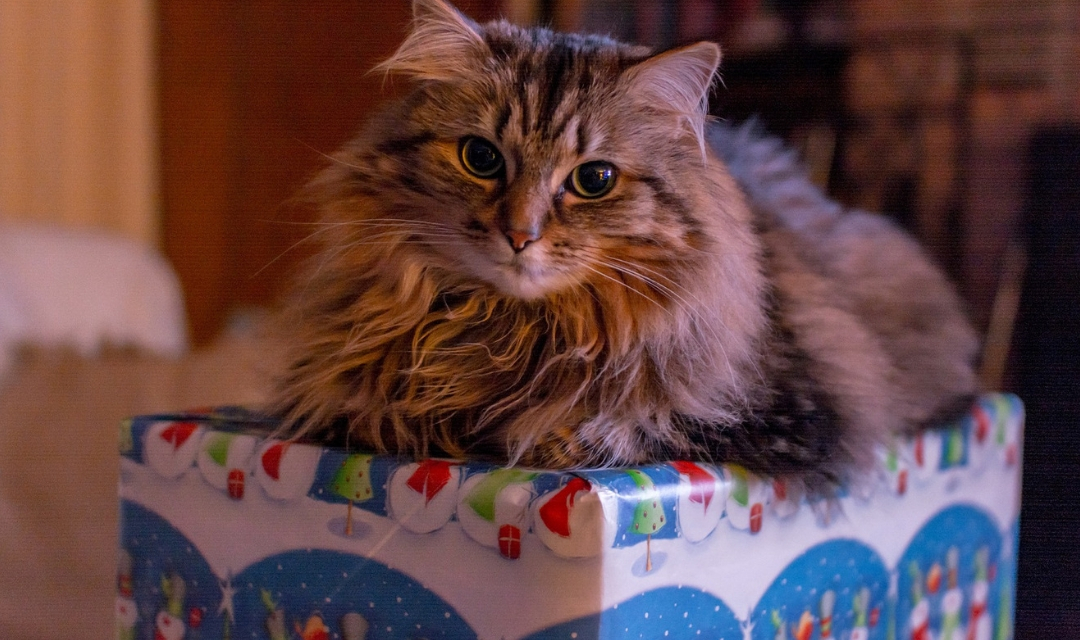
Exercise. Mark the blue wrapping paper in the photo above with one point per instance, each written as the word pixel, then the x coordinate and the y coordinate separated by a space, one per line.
pixel 228 534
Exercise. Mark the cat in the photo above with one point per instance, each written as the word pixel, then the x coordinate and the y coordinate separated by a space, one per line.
pixel 547 254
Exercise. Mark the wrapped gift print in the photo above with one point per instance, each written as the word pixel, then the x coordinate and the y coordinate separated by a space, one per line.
pixel 230 534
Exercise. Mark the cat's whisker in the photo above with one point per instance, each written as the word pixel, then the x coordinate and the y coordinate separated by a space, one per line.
pixel 308 238
pixel 672 288
pixel 427 228
pixel 365 222
pixel 682 303
pixel 626 286
pixel 331 157
pixel 330 255
pixel 694 311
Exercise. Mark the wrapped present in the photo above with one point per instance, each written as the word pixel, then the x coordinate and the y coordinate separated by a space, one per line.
pixel 229 534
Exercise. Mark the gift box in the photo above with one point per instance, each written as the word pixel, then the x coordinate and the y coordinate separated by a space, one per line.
pixel 226 533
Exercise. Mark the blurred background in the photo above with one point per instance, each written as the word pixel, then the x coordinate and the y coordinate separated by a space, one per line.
pixel 185 128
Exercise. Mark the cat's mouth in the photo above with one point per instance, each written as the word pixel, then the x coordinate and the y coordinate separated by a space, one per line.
pixel 525 278
pixel 529 274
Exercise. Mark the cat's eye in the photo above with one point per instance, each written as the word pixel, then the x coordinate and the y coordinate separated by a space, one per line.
pixel 480 157
pixel 592 179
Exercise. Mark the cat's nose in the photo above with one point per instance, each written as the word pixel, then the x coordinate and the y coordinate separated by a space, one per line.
pixel 521 239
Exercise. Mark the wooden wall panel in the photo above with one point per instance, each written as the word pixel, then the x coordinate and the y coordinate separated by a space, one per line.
pixel 251 95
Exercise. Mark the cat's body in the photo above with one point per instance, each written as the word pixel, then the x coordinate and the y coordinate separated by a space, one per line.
pixel 545 255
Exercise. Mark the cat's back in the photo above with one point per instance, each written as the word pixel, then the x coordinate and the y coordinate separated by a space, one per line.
pixel 845 277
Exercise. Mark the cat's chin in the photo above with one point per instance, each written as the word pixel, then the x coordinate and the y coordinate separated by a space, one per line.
pixel 526 283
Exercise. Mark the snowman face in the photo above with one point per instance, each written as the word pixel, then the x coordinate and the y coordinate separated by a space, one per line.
pixel 170 447
pixel 572 523
pixel 422 496
pixel 286 471
pixel 952 601
pixel 745 505
pixel 225 461
pixel 126 613
pixel 700 503
pixel 979 592
pixel 168 626
pixel 925 454
pixel 483 519
pixel 920 615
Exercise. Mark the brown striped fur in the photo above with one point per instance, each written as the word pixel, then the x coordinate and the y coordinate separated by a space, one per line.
pixel 712 305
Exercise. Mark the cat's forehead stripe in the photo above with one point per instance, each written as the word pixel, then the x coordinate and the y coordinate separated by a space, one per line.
pixel 502 120
pixel 556 71
pixel 546 97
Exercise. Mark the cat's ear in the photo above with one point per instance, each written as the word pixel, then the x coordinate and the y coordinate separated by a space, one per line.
pixel 443 44
pixel 679 81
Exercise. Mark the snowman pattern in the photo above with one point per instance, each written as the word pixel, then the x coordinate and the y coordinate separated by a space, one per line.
pixel 224 459
pixel 925 454
pixel 569 520
pixel 168 624
pixel 127 612
pixel 286 470
pixel 493 509
pixel 422 496
pixel 952 603
pixel 746 499
pixel 701 496
pixel 170 447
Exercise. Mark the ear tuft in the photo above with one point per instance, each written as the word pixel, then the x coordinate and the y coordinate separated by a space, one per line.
pixel 679 81
pixel 442 45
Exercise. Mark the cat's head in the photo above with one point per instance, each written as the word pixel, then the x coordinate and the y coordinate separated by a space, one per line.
pixel 534 161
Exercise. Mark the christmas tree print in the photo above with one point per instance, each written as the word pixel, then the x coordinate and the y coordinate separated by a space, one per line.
pixel 979 625
pixel 919 618
pixel 860 606
pixel 826 606
pixel 1004 629
pixel 275 618
pixel 953 600
pixel 353 482
pixel 649 516
pixel 779 625
pixel 127 613
pixel 127 441
pixel 168 625
pixel 893 597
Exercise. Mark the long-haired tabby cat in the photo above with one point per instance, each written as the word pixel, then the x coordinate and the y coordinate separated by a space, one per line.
pixel 546 254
